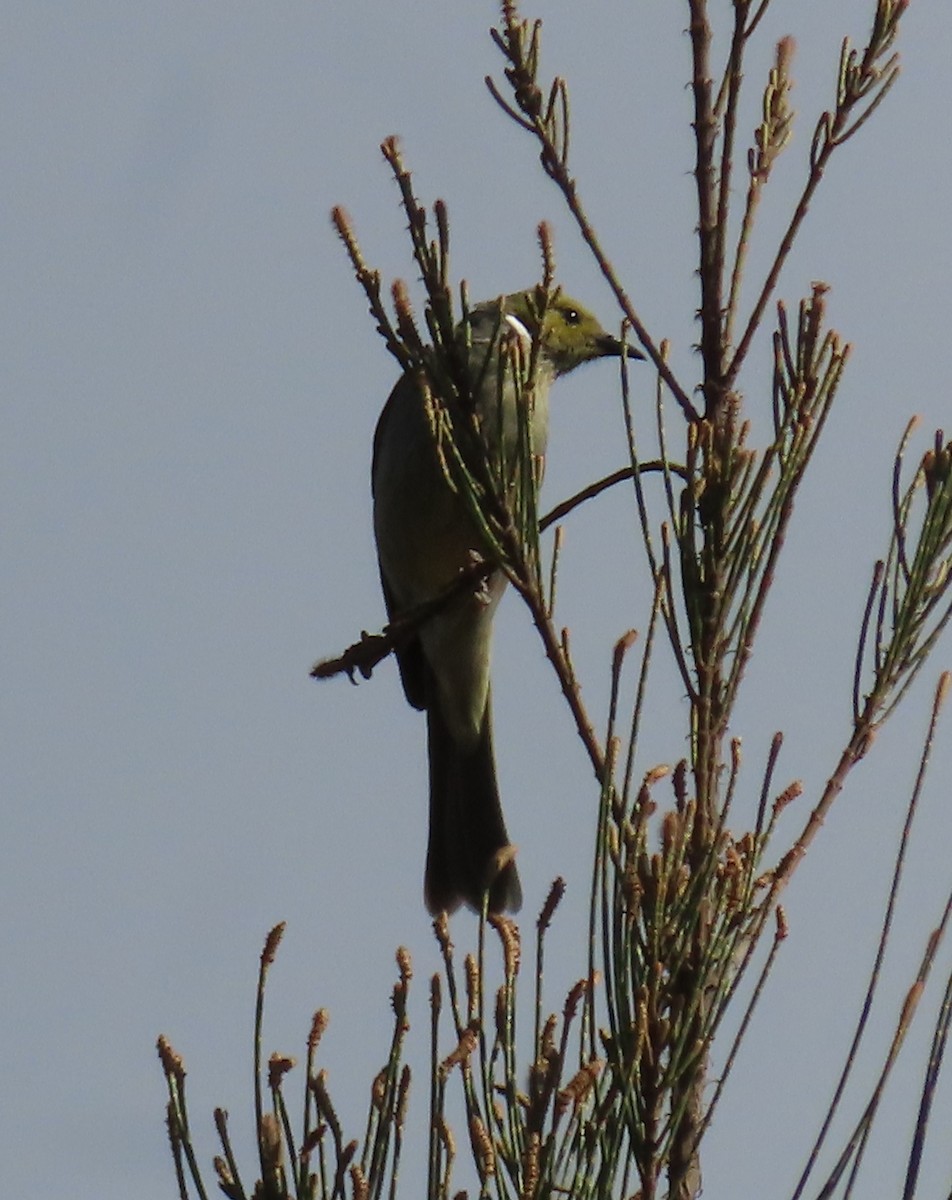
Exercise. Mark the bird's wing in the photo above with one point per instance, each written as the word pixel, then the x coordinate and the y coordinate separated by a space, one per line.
pixel 410 655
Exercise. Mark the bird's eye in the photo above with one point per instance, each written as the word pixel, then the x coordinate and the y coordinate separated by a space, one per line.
pixel 572 316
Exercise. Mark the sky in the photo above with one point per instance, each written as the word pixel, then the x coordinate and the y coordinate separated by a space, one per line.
pixel 190 383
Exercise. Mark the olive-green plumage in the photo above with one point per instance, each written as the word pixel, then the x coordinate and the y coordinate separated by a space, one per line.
pixel 425 537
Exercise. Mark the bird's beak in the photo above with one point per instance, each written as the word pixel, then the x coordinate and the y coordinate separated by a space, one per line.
pixel 610 347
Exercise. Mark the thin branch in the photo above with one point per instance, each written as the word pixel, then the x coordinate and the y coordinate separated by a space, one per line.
pixel 595 489
pixel 862 83
pixel 361 657
pixel 710 234
pixel 852 1053
pixel 548 122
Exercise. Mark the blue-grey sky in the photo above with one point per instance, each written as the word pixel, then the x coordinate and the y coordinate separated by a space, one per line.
pixel 189 388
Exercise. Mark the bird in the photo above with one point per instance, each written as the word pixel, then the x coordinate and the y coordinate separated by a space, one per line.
pixel 426 536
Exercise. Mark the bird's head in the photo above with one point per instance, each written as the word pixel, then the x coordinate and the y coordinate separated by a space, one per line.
pixel 571 335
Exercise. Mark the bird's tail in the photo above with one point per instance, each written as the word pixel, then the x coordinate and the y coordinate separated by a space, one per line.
pixel 469 848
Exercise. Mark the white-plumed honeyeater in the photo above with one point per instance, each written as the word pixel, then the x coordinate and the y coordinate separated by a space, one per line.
pixel 426 535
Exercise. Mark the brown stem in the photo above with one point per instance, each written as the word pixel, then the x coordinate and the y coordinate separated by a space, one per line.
pixel 710 240
pixel 601 485
pixel 557 656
